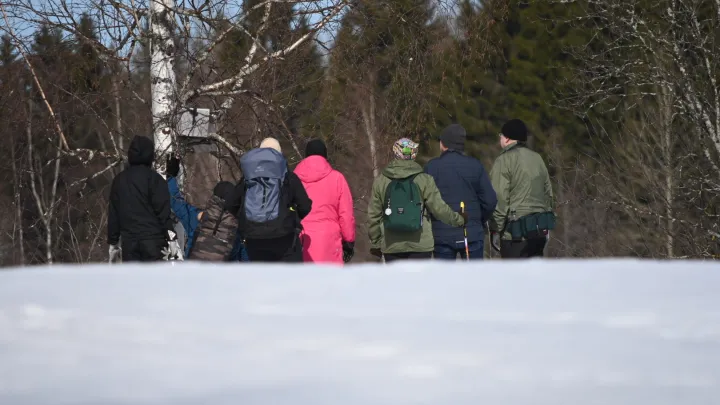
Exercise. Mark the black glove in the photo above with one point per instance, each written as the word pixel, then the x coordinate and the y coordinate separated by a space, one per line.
pixel 348 251
pixel 376 252
pixel 172 168
pixel 495 240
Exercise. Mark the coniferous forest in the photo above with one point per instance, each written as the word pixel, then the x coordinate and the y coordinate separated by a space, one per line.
pixel 621 98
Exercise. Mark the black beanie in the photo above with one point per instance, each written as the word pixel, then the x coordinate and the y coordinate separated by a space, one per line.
pixel 316 147
pixel 453 137
pixel 223 189
pixel 515 129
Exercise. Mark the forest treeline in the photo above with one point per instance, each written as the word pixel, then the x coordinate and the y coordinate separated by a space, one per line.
pixel 621 99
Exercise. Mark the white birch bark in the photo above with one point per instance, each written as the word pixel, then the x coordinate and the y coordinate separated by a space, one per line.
pixel 667 145
pixel 18 204
pixel 45 208
pixel 368 113
pixel 370 133
pixel 162 78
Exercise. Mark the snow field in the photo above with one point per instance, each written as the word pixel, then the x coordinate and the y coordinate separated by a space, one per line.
pixel 530 332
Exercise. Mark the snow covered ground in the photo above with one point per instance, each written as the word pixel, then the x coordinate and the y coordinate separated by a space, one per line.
pixel 555 333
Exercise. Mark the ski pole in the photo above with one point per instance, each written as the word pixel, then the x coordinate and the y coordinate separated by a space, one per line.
pixel 467 250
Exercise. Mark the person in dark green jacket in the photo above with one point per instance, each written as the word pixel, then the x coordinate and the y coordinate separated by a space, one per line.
pixel 523 216
pixel 418 244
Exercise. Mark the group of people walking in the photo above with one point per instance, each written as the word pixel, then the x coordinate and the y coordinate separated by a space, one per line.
pixel 274 214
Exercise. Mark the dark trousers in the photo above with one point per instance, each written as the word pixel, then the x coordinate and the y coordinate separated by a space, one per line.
pixel 391 257
pixel 450 252
pixel 518 249
pixel 149 250
pixel 286 249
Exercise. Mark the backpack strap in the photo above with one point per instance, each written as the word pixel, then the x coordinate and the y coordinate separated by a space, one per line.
pixel 241 209
pixel 411 178
pixel 412 181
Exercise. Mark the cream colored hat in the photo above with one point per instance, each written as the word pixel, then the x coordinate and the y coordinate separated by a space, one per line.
pixel 271 143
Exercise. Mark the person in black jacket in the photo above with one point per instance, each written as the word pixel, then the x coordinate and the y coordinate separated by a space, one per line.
pixel 276 239
pixel 139 209
pixel 461 178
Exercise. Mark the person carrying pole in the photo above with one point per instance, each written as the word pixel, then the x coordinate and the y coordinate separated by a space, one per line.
pixel 467 250
pixel 460 177
pixel 402 200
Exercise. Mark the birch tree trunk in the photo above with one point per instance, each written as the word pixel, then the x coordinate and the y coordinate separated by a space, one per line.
pixel 37 194
pixel 118 118
pixel 565 209
pixel 370 132
pixel 162 78
pixel 368 112
pixel 666 115
pixel 18 203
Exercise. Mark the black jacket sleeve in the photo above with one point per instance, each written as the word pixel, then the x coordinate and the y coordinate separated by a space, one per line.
pixel 234 201
pixel 300 199
pixel 113 226
pixel 160 201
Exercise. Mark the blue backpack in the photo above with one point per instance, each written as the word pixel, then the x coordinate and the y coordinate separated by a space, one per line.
pixel 265 209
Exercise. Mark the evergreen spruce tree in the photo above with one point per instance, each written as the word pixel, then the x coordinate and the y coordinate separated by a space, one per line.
pixel 49 45
pixel 304 73
pixel 386 49
pixel 90 86
pixel 467 91
pixel 7 51
pixel 514 62
pixel 537 40
pixel 88 67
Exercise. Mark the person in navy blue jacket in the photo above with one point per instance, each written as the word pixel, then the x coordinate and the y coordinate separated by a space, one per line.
pixel 461 178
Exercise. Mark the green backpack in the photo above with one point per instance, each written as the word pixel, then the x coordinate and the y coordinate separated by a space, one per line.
pixel 403 209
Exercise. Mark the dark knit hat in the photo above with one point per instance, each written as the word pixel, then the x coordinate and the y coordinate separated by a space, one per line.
pixel 316 147
pixel 515 129
pixel 223 189
pixel 453 137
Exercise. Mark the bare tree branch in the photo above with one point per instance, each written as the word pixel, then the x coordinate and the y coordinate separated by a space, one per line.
pixel 20 48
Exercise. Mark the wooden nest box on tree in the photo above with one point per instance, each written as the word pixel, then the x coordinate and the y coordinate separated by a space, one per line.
pixel 193 129
pixel 202 156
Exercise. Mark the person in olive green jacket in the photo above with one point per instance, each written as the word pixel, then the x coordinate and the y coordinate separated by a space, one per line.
pixel 418 244
pixel 523 216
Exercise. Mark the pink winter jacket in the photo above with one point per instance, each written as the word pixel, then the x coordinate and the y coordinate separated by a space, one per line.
pixel 331 220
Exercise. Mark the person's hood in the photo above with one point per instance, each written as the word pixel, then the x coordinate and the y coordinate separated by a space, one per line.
pixel 223 189
pixel 400 169
pixel 142 151
pixel 313 169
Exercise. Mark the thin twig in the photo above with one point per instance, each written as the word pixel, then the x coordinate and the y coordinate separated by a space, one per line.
pixel 35 78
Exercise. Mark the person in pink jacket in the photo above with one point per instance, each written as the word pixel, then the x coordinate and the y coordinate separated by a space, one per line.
pixel 328 234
